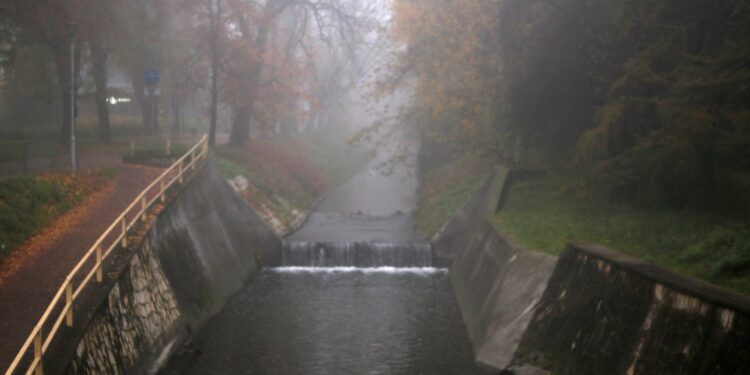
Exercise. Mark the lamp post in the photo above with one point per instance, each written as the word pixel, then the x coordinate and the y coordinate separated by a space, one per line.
pixel 73 161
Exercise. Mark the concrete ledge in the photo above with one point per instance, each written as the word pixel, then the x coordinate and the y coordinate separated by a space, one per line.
pixel 496 285
pixel 446 243
pixel 497 288
pixel 688 285
pixel 607 313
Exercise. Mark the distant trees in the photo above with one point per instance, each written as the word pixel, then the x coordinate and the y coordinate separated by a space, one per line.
pixel 47 23
pixel 261 59
pixel 273 54
pixel 651 97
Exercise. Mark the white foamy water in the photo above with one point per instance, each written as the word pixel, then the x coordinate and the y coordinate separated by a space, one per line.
pixel 392 270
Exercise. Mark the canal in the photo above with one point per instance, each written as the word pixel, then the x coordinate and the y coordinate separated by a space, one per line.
pixel 356 293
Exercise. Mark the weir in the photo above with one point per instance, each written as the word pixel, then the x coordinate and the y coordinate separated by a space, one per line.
pixel 369 254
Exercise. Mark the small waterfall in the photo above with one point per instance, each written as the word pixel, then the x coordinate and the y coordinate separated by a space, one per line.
pixel 359 254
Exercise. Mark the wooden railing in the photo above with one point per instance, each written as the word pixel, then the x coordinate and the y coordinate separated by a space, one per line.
pixel 61 307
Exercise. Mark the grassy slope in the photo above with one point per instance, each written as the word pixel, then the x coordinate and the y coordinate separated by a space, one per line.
pixel 446 189
pixel 543 214
pixel 289 174
pixel 28 204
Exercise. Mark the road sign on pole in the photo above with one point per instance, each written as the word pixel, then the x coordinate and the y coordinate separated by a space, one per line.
pixel 152 91
pixel 151 77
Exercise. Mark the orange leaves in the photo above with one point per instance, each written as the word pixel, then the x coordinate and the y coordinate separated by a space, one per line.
pixel 456 67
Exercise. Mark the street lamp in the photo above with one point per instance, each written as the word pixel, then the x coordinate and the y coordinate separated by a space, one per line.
pixel 73 162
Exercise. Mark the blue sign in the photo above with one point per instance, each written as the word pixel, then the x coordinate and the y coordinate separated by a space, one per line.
pixel 152 77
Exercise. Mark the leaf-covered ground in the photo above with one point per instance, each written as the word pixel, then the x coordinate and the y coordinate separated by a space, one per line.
pixel 29 203
pixel 31 275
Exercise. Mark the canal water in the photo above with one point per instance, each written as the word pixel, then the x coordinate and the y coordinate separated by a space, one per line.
pixel 356 293
pixel 303 321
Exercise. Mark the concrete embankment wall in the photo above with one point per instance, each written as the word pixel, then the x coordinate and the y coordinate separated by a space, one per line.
pixel 203 247
pixel 606 313
pixel 590 311
pixel 497 288
pixel 496 285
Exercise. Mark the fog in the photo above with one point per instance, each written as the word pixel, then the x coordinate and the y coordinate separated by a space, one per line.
pixel 620 123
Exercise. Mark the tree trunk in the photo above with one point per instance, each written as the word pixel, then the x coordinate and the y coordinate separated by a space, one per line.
pixel 240 125
pixel 241 122
pixel 142 100
pixel 99 60
pixel 154 114
pixel 62 65
pixel 214 110
pixel 214 96
pixel 176 114
pixel 704 193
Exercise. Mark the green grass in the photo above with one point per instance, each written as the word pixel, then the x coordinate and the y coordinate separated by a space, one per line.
pixel 28 204
pixel 545 213
pixel 445 190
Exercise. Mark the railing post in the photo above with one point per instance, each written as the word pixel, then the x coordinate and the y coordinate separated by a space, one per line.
pixel 124 232
pixel 38 353
pixel 99 263
pixel 180 172
pixel 192 160
pixel 143 207
pixel 161 193
pixel 69 304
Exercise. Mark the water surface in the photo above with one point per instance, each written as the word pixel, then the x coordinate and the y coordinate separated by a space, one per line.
pixel 334 321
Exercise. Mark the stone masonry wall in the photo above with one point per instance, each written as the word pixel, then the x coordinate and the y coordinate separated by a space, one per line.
pixel 139 316
pixel 204 246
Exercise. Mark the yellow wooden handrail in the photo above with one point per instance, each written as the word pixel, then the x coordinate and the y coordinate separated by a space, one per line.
pixel 122 225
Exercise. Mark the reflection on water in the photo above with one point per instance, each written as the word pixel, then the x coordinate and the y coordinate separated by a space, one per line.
pixel 303 321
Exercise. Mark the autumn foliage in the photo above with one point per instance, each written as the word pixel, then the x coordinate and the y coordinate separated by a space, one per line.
pixel 649 98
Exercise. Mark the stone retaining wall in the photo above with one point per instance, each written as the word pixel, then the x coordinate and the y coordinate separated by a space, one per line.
pixel 202 248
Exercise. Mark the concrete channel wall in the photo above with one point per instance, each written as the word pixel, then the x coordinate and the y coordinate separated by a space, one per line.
pixel 590 311
pixel 203 247
pixel 607 313
pixel 496 285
